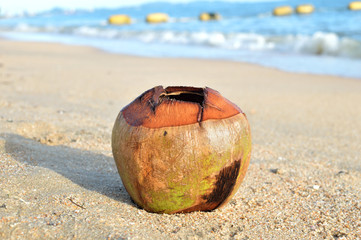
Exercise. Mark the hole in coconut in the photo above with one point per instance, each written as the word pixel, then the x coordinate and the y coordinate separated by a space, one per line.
pixel 186 97
pixel 194 95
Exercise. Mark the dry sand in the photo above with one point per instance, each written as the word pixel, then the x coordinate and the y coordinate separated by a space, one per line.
pixel 58 178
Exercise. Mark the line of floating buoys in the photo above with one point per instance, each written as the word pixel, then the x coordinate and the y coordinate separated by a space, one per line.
pixel 288 10
pixel 120 19
pixel 157 18
pixel 305 9
pixel 355 5
pixel 209 16
pixel 282 11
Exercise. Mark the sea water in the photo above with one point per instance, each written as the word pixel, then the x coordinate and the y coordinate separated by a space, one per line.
pixel 328 41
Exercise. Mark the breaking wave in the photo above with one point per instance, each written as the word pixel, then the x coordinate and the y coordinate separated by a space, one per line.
pixel 320 43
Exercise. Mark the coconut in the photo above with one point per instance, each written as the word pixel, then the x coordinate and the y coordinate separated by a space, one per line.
pixel 181 149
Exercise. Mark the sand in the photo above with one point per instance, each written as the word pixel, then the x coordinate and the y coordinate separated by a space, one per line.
pixel 58 179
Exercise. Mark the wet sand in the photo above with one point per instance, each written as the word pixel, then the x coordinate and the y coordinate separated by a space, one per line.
pixel 58 179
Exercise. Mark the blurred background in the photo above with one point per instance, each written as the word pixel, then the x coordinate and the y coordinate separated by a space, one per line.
pixel 315 36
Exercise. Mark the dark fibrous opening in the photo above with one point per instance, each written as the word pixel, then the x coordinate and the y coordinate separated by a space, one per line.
pixel 186 94
pixel 187 97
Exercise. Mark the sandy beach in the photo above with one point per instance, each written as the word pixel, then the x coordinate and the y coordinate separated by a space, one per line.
pixel 58 179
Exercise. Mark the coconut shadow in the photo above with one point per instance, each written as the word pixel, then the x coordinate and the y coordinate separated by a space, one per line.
pixel 92 171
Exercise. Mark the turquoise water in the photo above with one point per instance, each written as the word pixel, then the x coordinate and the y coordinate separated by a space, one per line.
pixel 327 41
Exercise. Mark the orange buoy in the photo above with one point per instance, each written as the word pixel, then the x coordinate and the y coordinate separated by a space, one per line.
pixel 282 11
pixel 119 19
pixel 157 18
pixel 209 16
pixel 305 9
pixel 355 5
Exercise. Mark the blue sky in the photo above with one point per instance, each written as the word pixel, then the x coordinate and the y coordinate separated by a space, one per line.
pixel 18 6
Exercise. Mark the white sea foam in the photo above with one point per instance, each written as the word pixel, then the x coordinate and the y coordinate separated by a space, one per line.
pixel 320 43
pixel 328 44
pixel 23 27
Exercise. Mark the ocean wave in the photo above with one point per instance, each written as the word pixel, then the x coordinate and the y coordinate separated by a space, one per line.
pixel 328 44
pixel 320 43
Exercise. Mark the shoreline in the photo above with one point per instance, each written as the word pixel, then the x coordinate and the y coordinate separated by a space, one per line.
pixel 58 179
pixel 290 62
